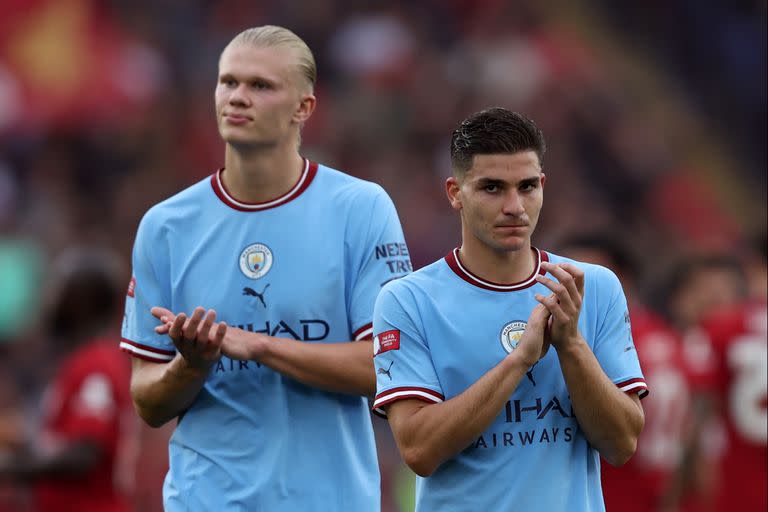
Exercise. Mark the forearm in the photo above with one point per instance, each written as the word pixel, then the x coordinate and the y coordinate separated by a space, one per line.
pixel 436 432
pixel 610 419
pixel 161 392
pixel 345 367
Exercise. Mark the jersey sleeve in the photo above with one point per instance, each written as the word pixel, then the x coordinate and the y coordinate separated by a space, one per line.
pixel 614 347
pixel 403 363
pixel 382 256
pixel 148 287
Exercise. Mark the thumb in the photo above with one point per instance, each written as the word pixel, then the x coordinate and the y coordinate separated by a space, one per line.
pixel 159 312
pixel 539 317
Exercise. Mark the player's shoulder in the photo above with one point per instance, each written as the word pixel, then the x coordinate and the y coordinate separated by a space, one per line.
pixel 180 204
pixel 343 186
pixel 747 315
pixel 425 279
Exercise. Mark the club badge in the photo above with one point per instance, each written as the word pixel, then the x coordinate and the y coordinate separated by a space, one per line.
pixel 510 335
pixel 255 261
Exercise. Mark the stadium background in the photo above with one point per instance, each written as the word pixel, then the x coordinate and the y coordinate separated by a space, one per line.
pixel 654 113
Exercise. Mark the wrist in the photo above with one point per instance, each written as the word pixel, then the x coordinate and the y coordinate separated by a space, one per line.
pixel 260 345
pixel 515 360
pixel 570 344
pixel 181 367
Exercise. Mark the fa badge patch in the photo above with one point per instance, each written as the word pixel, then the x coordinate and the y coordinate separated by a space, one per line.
pixel 510 335
pixel 255 261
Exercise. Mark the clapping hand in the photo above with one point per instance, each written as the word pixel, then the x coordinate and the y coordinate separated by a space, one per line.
pixel 564 304
pixel 198 339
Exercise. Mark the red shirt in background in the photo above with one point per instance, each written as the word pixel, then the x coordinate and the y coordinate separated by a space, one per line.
pixel 673 375
pixel 90 399
pixel 739 338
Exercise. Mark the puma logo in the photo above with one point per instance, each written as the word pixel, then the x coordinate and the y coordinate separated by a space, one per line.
pixel 253 293
pixel 382 371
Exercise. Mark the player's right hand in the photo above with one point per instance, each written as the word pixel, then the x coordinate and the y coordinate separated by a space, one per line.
pixel 534 343
pixel 198 338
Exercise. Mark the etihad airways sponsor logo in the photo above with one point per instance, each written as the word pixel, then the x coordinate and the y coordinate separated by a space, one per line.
pixel 305 330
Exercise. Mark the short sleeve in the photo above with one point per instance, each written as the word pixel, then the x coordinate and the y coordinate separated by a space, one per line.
pixel 614 347
pixel 385 257
pixel 403 363
pixel 148 287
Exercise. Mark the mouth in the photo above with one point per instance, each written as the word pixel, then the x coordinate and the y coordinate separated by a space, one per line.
pixel 236 118
pixel 511 230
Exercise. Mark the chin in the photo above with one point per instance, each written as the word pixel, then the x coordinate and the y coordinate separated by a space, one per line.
pixel 511 245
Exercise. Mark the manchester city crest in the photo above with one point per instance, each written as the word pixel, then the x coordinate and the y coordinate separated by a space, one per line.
pixel 510 335
pixel 255 260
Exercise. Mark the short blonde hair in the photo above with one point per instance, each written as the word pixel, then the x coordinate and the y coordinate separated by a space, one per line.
pixel 272 35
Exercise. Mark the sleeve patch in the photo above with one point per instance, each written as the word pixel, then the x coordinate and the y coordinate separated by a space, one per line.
pixel 132 288
pixel 386 341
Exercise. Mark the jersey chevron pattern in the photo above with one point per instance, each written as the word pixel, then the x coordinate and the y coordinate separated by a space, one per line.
pixel 438 330
pixel 308 266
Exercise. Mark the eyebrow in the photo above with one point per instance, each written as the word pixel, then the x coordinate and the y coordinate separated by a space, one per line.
pixel 531 181
pixel 495 181
pixel 250 78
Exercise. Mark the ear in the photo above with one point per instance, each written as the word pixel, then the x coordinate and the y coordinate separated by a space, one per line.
pixel 453 191
pixel 306 106
pixel 543 179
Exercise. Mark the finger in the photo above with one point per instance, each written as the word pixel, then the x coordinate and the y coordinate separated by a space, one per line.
pixel 568 281
pixel 205 328
pixel 221 331
pixel 163 328
pixel 160 312
pixel 175 330
pixel 539 316
pixel 190 328
pixel 578 276
pixel 561 292
pixel 553 306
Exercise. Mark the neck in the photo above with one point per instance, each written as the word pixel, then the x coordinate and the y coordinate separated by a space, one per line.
pixel 257 175
pixel 503 267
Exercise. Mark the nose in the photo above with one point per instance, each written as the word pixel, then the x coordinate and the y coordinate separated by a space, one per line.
pixel 239 96
pixel 513 205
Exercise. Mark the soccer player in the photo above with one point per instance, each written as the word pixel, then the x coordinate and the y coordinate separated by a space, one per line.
pixel 739 338
pixel 269 384
pixel 505 371
pixel 83 459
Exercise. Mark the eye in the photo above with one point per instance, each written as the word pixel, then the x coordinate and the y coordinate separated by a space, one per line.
pixel 528 186
pixel 259 85
pixel 491 188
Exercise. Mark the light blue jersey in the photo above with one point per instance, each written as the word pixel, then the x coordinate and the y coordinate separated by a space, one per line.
pixel 440 329
pixel 307 265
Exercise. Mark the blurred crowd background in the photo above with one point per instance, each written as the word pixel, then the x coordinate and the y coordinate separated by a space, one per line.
pixel 654 114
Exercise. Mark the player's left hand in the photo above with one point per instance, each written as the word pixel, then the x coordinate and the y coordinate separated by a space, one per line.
pixel 237 343
pixel 565 301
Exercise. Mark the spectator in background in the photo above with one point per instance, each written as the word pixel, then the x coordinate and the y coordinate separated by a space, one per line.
pixel 290 250
pixel 739 388
pixel 693 288
pixel 82 459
